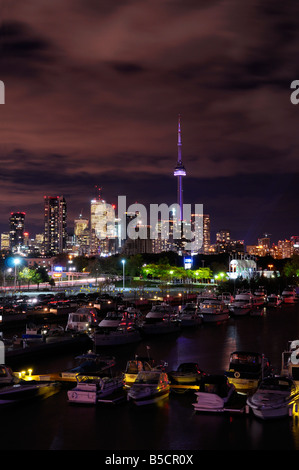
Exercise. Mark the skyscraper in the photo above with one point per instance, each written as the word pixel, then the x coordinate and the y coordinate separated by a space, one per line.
pixel 16 230
pixel 180 171
pixel 55 216
pixel 103 234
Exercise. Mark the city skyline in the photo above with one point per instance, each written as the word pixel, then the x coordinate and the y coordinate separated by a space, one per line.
pixel 92 96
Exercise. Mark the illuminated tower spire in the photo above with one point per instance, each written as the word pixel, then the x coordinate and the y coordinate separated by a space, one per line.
pixel 180 171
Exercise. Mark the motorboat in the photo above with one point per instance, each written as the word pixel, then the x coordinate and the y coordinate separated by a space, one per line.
pixel 160 326
pixel 290 361
pixel 246 370
pixel 274 398
pixel 92 390
pixel 160 311
pixel 133 367
pixel 187 373
pixel 15 390
pixel 122 335
pixel 214 311
pixel 35 332
pixel 190 315
pixel 226 297
pixel 216 394
pixel 289 295
pixel 83 320
pixel 259 297
pixel 274 301
pixel 89 363
pixel 206 294
pixel 111 320
pixel 243 304
pixel 149 387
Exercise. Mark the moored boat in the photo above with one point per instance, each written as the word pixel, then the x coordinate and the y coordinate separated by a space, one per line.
pixel 246 370
pixel 149 387
pixel 274 301
pixel 216 394
pixel 289 295
pixel 214 311
pixel 187 373
pixel 274 398
pixel 122 335
pixel 190 315
pixel 133 367
pixel 242 304
pixel 83 320
pixel 14 390
pixel 92 390
pixel 90 364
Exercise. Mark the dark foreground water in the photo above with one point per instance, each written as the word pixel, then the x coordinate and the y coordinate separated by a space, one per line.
pixel 54 424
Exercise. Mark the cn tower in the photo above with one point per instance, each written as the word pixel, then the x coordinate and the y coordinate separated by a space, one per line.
pixel 180 171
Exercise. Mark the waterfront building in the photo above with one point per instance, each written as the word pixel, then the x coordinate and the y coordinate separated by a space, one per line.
pixel 16 230
pixel 55 224
pixel 244 267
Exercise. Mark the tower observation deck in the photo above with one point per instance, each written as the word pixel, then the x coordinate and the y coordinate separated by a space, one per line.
pixel 180 171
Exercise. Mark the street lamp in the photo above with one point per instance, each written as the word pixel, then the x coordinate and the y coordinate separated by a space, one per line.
pixel 123 262
pixel 16 263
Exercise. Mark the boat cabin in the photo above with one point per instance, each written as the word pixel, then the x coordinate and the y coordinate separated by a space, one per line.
pixel 82 320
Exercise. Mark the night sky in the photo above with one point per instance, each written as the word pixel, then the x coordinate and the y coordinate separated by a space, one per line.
pixel 93 93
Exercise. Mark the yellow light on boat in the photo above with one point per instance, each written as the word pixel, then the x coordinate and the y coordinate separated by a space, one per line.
pixel 29 372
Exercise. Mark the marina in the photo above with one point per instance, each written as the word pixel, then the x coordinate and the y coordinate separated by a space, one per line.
pixel 187 360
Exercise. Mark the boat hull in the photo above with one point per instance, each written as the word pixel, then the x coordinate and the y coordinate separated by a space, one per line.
pixel 141 399
pixel 214 317
pixel 114 339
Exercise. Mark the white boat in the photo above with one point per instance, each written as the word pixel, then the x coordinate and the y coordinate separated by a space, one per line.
pixel 111 320
pixel 259 296
pixel 149 387
pixel 215 394
pixel 91 390
pixel 243 304
pixel 187 373
pixel 89 364
pixel 14 390
pixel 206 294
pixel 290 361
pixel 122 335
pixel 158 312
pixel 190 315
pixel 289 295
pixel 274 301
pixel 274 398
pixel 214 311
pixel 83 320
pixel 226 297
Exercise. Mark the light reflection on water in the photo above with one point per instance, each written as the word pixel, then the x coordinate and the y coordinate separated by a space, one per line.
pixel 54 424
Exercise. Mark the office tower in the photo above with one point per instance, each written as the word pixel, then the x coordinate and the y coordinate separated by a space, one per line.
pixel 180 171
pixel 81 231
pixel 202 241
pixel 103 234
pixel 55 216
pixel 16 230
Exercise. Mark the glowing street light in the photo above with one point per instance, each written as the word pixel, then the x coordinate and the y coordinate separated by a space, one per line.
pixel 16 262
pixel 123 262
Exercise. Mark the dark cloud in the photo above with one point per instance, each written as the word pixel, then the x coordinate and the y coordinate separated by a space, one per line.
pixel 93 90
